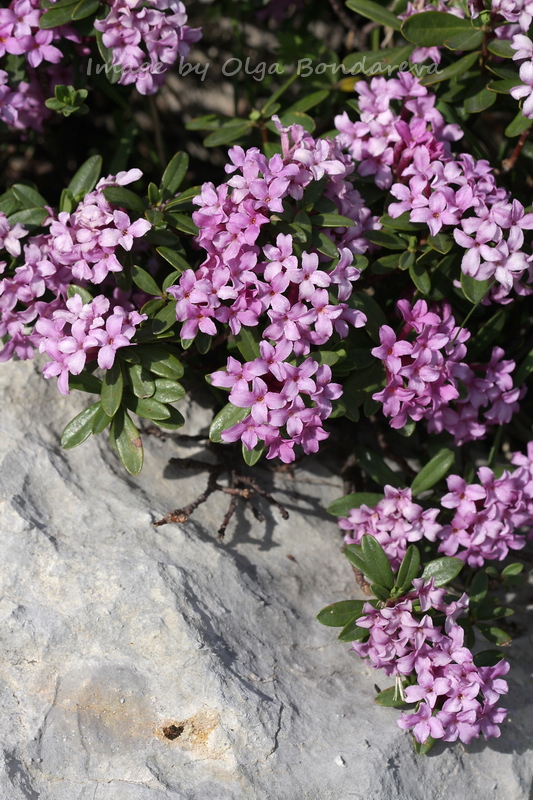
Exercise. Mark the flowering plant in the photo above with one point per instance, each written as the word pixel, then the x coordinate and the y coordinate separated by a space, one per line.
pixel 368 268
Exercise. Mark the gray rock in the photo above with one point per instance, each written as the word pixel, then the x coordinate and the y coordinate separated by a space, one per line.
pixel 115 632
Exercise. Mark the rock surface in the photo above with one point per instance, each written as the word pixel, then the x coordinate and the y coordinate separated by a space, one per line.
pixel 143 663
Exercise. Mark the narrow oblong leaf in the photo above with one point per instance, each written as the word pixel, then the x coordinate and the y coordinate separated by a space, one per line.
pixel 389 698
pixel 84 8
pixel 433 28
pixel 420 277
pixel 144 281
pixel 160 361
pixel 173 422
pixel 352 632
pixel 86 178
pixel 247 340
pixel 388 60
pixel 375 12
pixel 473 289
pixel 140 380
pixel 374 466
pixel 408 568
pixel 465 40
pixel 458 67
pixel 377 565
pixel 518 125
pixel 112 388
pixel 168 391
pixel 127 441
pixel 100 421
pixel 175 173
pixel 433 471
pixel 340 614
pixel 80 428
pixel 28 197
pixel 494 634
pixel 122 197
pixel 225 419
pixel 343 506
pixel 442 570
pixel 353 553
pixel 252 456
pixel 147 407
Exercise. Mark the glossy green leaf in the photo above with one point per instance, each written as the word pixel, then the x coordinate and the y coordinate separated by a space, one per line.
pixel 433 472
pixel 86 178
pixel 165 318
pixel 173 258
pixel 388 60
pixel 175 172
pixel 228 133
pixel 433 28
pixel 100 421
pixel 420 277
pixel 377 565
pixel 340 614
pixel 140 380
pixel 511 570
pixel 173 422
pixel 442 570
pixel 375 12
pixel 84 382
pixel 488 658
pixel 465 40
pixel 247 340
pixel 458 68
pixel 494 634
pixel 124 198
pixel 473 289
pixel 30 217
pixel 389 698
pixel 504 86
pixel 408 568
pixel 29 198
pixel 518 125
pixel 148 407
pixel 332 221
pixel 144 281
pixel 352 632
pixel 112 388
pixel 479 587
pixel 160 361
pixel 226 418
pixel 343 506
pixel 55 17
pixel 84 8
pixel 308 102
pixel 252 456
pixel 374 314
pixel 168 391
pixel 127 441
pixel 354 554
pixel 183 223
pixel 80 428
pixel 480 101
pixel 85 295
pixel 425 747
pixel 501 48
pixel 441 242
pixel 324 245
pixel 380 592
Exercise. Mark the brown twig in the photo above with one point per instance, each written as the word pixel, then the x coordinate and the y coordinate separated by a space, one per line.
pixel 509 163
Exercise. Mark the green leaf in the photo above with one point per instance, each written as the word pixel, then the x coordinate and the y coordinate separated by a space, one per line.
pixel 441 242
pixel 340 614
pixel 145 281
pixel 308 102
pixel 480 101
pixel 354 554
pixel 332 221
pixel 351 632
pixel 55 17
pixel 252 456
pixel 488 658
pixel 501 48
pixel 408 568
pixel 84 8
pixel 228 133
pixel 433 28
pixel 86 177
pixel 297 118
pixel 173 422
pixel 85 295
pixel 80 428
pixel 401 223
pixel 175 173
pixel 124 198
pixel 512 570
pixel 384 239
pixel 465 40
pixel 33 217
pixel 494 634
pixel 160 362
pixel 28 197
pixel 84 382
pixel 473 289
pixel 127 441
pixel 420 277
pixel 504 86
pixel 380 592
pixel 479 587
pixel 518 125
pixel 458 67
pixel 374 465
pixel 434 470
pixel 343 506
pixel 377 565
pixel 100 421
pixel 324 245
pixel 148 407
pixel 247 340
pixel 375 12
pixel 388 60
pixel 226 418
pixel 203 342
pixel 183 223
pixel 389 698
pixel 173 258
pixel 140 380
pixel 184 198
pixel 168 391
pixel 375 316
pixel 442 570
pixel 112 388
pixel 425 747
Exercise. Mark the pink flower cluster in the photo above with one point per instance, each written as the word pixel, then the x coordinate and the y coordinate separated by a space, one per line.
pixel 424 374
pixel 396 522
pixel 136 31
pixel 79 247
pixel 489 514
pixel 240 282
pixel 456 699
pixel 524 53
pixel 23 106
pixel 409 153
pixel 82 332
